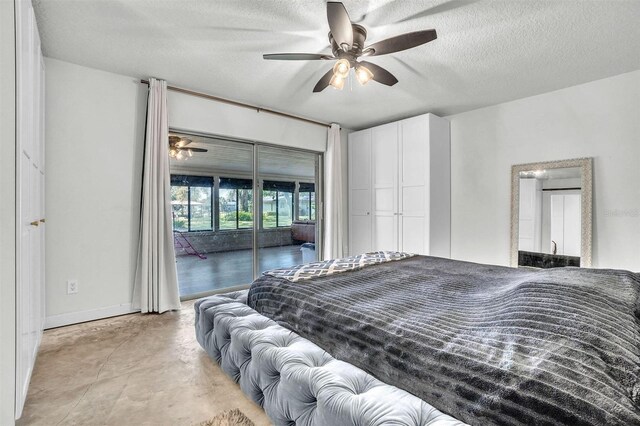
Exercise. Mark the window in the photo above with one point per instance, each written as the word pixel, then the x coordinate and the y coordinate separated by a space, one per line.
pixel 180 207
pixel 307 201
pixel 236 203
pixel 277 203
pixel 192 203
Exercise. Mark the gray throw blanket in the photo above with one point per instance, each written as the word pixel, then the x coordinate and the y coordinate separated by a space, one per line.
pixel 485 344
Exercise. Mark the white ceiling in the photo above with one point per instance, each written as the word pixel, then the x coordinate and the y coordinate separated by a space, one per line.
pixel 487 52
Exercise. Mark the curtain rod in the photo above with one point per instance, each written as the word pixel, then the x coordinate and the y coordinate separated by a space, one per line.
pixel 240 104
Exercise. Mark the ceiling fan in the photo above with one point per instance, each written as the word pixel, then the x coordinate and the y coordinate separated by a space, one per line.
pixel 178 145
pixel 348 46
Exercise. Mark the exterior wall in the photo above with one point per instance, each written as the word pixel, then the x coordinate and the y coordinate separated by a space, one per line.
pixel 217 241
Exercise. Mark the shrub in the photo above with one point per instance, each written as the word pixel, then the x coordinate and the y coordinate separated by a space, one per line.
pixel 245 216
pixel 242 216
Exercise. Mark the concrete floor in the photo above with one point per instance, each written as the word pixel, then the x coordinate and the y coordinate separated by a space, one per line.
pixel 230 268
pixel 130 370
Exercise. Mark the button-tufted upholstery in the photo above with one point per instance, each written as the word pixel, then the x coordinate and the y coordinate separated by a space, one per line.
pixel 295 381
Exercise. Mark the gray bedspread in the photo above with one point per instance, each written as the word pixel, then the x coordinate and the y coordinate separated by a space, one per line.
pixel 485 344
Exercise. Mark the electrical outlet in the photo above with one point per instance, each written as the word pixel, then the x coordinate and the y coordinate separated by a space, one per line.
pixel 72 286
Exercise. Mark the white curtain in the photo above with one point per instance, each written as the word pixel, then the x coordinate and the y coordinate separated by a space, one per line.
pixel 156 283
pixel 333 233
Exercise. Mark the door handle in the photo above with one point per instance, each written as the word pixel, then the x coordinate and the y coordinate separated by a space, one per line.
pixel 42 220
pixel 35 223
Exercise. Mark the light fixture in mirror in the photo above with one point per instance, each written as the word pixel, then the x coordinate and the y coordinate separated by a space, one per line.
pixel 551 214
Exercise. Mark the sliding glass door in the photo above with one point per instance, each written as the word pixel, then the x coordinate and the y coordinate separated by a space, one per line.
pixel 288 210
pixel 240 209
pixel 212 202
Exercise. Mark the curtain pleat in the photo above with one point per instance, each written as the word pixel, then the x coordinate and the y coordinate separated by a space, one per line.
pixel 156 282
pixel 333 233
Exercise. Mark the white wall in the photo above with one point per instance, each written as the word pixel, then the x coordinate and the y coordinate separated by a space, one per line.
pixel 7 213
pixel 95 131
pixel 600 119
pixel 196 114
pixel 94 140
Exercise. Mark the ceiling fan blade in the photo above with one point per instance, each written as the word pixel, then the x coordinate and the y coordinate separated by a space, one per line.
pixel 380 74
pixel 178 142
pixel 323 82
pixel 401 42
pixel 296 56
pixel 340 24
pixel 195 149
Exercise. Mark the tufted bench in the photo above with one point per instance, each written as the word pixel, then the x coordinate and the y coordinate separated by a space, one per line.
pixel 295 381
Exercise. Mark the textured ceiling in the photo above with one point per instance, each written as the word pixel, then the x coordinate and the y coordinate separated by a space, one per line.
pixel 487 52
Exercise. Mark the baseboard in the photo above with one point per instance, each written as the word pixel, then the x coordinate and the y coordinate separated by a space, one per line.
pixel 90 315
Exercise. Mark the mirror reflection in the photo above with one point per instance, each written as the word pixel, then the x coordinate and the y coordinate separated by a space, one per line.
pixel 550 217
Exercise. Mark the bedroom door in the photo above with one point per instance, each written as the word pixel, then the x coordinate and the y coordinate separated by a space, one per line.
pixel 384 153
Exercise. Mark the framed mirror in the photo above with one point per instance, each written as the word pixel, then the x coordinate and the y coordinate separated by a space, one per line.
pixel 551 204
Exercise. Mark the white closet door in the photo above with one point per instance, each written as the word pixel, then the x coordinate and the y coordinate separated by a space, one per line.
pixel 572 228
pixel 565 224
pixel 384 150
pixel 30 190
pixel 23 292
pixel 41 309
pixel 360 192
pixel 414 185
pixel 527 215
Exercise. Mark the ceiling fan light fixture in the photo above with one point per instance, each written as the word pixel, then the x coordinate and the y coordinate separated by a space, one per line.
pixel 179 155
pixel 173 153
pixel 348 42
pixel 341 68
pixel 363 74
pixel 337 82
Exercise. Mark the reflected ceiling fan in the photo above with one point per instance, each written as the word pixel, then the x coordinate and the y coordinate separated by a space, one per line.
pixel 178 146
pixel 348 46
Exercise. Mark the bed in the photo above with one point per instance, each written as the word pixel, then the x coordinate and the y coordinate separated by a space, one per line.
pixel 423 340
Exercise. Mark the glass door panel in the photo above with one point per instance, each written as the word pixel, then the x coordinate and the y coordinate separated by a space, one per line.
pixel 287 229
pixel 212 205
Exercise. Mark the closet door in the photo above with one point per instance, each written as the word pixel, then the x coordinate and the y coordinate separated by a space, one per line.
pixel 384 149
pixel 360 192
pixel 30 191
pixel 414 185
